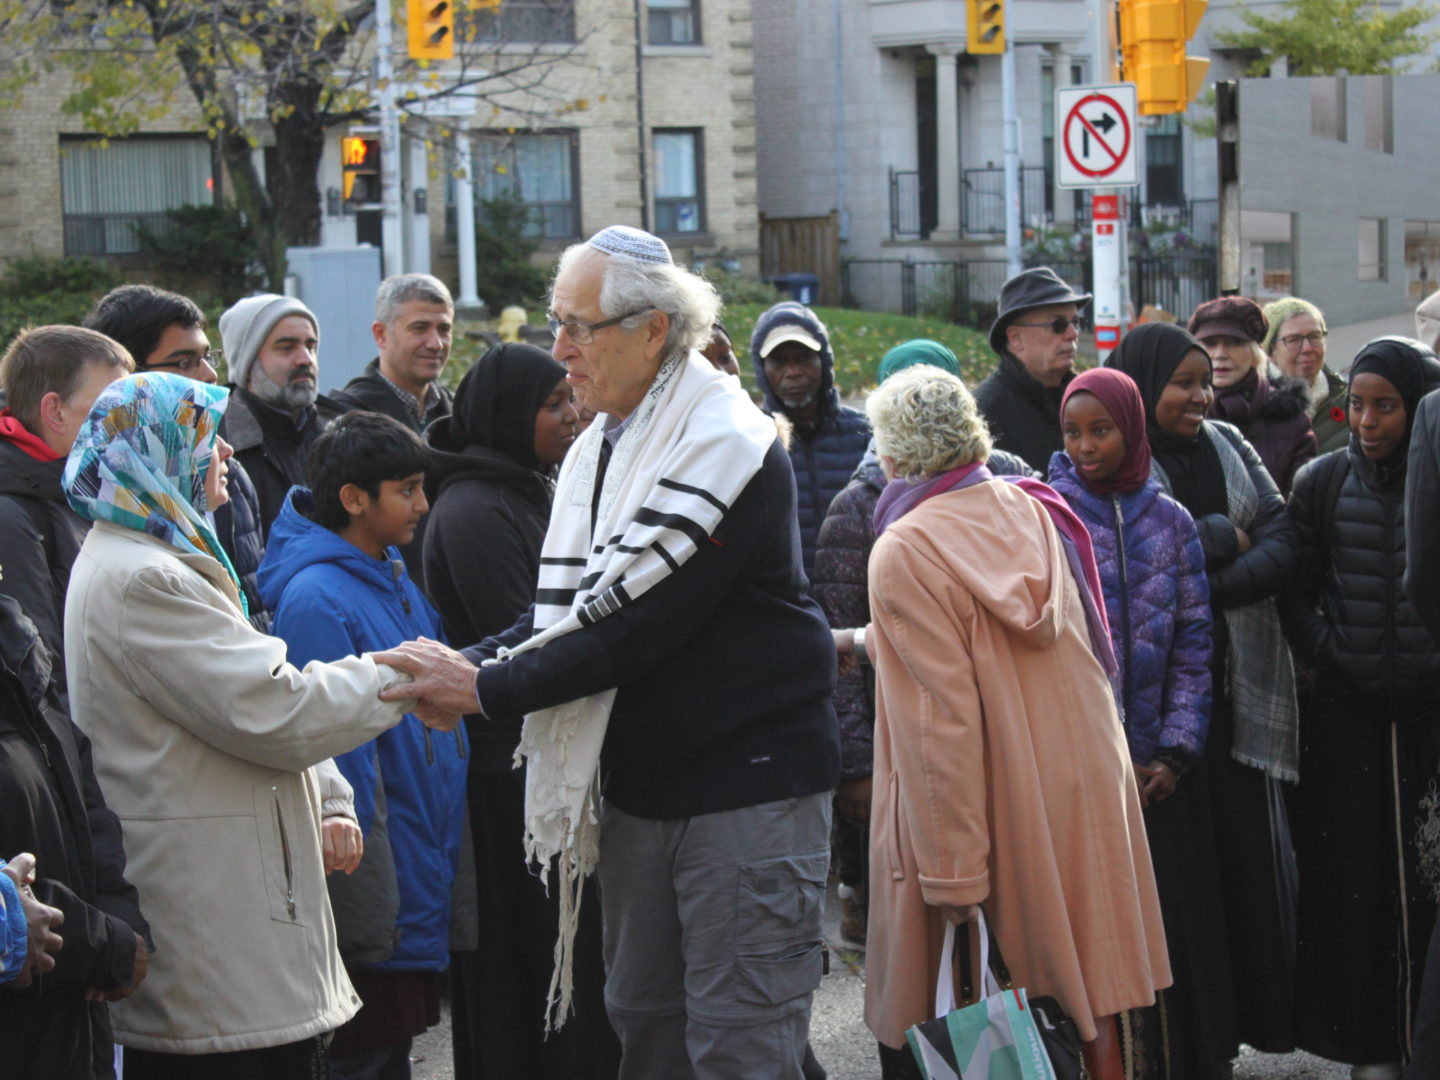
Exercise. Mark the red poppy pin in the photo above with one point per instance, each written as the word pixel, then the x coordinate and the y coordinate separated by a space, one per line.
pixel 1337 414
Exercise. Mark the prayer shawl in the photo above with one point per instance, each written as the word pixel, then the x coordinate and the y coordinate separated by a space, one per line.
pixel 1257 665
pixel 688 451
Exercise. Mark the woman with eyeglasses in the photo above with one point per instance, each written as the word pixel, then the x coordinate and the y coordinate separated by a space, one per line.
pixel 1271 411
pixel 1295 342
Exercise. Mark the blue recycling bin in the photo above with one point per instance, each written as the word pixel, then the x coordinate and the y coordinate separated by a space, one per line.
pixel 803 288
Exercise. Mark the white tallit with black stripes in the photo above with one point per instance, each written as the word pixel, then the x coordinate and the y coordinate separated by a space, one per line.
pixel 689 449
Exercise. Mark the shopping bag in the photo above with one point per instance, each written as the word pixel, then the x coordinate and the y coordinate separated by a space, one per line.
pixel 994 1039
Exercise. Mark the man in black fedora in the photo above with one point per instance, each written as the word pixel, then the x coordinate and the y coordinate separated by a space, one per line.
pixel 1035 334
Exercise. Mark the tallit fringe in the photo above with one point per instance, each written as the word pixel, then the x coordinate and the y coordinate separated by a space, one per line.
pixel 1269 768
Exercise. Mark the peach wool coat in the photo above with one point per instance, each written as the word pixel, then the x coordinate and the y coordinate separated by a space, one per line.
pixel 1001 771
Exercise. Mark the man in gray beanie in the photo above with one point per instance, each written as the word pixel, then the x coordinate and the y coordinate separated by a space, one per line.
pixel 275 411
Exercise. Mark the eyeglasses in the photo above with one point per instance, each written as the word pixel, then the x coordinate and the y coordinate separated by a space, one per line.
pixel 583 333
pixel 1296 341
pixel 191 364
pixel 1056 326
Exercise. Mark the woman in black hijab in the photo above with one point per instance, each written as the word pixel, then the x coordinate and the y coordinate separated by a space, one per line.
pixel 490 483
pixel 1209 468
pixel 1367 749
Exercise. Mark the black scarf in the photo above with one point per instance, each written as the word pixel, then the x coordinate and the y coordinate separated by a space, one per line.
pixel 1149 354
pixel 498 398
pixel 1414 371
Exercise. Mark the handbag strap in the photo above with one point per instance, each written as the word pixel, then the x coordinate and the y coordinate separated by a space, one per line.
pixel 945 1001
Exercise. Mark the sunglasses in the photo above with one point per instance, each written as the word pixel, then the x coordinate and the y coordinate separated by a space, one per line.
pixel 1056 326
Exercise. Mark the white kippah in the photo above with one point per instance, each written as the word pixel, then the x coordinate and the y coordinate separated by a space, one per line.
pixel 631 243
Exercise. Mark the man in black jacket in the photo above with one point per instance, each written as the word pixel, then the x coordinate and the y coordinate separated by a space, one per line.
pixel 50 804
pixel 275 412
pixel 1034 335
pixel 51 376
pixel 712 662
pixel 165 331
pixel 414 321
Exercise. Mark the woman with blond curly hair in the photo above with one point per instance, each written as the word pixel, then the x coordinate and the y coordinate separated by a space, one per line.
pixel 1002 777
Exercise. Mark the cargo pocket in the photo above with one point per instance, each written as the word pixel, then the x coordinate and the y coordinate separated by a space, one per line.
pixel 778 954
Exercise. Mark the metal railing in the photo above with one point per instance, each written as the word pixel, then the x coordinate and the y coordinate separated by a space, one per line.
pixel 982 198
pixel 906 212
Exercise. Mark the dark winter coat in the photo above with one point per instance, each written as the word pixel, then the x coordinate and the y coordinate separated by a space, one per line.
pixel 1346 614
pixel 371 392
pixel 1274 417
pixel 1023 416
pixel 1331 421
pixel 488 516
pixel 1152 571
pixel 274 450
pixel 841 585
pixel 824 457
pixel 39 538
pixel 237 524
pixel 50 805
pixel 1422 514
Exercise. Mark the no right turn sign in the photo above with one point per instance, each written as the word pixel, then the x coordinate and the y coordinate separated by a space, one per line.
pixel 1096 147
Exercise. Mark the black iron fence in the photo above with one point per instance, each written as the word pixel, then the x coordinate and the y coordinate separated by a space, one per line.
pixel 982 198
pixel 906 213
pixel 967 292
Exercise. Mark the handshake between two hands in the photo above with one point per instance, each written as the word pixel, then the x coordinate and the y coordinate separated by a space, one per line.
pixel 438 679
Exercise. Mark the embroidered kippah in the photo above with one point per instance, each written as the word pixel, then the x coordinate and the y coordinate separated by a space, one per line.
pixel 631 243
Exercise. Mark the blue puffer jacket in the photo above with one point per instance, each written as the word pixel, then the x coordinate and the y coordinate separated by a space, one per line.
pixel 237 524
pixel 1152 570
pixel 823 458
pixel 331 600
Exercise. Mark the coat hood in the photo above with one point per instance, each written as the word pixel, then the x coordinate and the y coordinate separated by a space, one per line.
pixel 1001 545
pixel 22 475
pixel 297 542
pixel 794 314
pixel 476 463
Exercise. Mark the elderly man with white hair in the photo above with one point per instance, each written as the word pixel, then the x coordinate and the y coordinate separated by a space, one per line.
pixel 676 679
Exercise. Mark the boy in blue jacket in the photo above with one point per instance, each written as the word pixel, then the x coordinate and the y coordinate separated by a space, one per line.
pixel 334 578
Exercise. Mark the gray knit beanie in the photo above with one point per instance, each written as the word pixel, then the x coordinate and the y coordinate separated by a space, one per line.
pixel 244 328
pixel 1427 320
pixel 1277 312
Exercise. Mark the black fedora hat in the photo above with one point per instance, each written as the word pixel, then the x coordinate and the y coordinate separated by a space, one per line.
pixel 1037 287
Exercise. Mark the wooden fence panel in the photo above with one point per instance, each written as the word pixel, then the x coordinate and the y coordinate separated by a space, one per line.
pixel 804 245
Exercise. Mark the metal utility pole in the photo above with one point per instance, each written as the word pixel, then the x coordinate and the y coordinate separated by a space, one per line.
pixel 1011 120
pixel 1227 116
pixel 465 222
pixel 391 233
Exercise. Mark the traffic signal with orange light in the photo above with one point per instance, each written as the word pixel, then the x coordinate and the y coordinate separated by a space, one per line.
pixel 1153 37
pixel 360 155
pixel 985 25
pixel 431 29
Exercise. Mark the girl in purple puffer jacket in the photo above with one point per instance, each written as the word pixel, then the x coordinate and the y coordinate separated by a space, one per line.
pixel 1152 572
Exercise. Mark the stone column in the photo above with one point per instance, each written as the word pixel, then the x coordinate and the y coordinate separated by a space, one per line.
pixel 1064 198
pixel 947 143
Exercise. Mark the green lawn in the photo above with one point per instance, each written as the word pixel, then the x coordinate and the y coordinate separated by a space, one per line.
pixel 859 338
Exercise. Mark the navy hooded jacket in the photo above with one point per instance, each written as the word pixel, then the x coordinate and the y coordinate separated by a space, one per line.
pixel 331 600
pixel 824 457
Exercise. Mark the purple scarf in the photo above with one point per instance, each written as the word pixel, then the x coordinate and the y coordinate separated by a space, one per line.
pixel 902 496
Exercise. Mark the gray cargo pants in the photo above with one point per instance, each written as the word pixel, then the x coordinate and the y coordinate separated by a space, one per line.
pixel 713 938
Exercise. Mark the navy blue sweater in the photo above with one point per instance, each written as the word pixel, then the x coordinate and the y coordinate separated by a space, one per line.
pixel 724 671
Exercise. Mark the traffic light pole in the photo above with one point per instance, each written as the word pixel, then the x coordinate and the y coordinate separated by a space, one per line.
pixel 1109 246
pixel 1011 120
pixel 391 236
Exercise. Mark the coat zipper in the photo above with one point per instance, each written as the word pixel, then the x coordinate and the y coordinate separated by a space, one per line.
pixel 285 853
pixel 1124 604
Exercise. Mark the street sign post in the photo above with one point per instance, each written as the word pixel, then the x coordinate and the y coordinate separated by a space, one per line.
pixel 1096 147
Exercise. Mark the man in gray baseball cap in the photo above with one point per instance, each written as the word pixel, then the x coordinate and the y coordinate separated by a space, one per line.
pixel 1034 334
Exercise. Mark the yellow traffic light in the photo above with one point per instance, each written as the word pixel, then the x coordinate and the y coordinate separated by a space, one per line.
pixel 985 20
pixel 431 26
pixel 1153 37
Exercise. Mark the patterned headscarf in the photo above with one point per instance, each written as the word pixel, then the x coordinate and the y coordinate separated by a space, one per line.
pixel 141 457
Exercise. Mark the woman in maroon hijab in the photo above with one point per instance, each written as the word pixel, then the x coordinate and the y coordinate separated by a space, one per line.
pixel 1157 601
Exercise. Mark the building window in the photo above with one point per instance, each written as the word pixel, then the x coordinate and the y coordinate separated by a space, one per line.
pixel 1327 107
pixel 1267 251
pixel 1379 113
pixel 106 191
pixel 679 182
pixel 530 22
pixel 1372 249
pixel 538 167
pixel 1164 175
pixel 1422 258
pixel 674 22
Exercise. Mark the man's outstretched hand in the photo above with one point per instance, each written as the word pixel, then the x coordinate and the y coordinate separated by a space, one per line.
pixel 444 681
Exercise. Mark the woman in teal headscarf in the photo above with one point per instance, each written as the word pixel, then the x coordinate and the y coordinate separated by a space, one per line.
pixel 204 739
